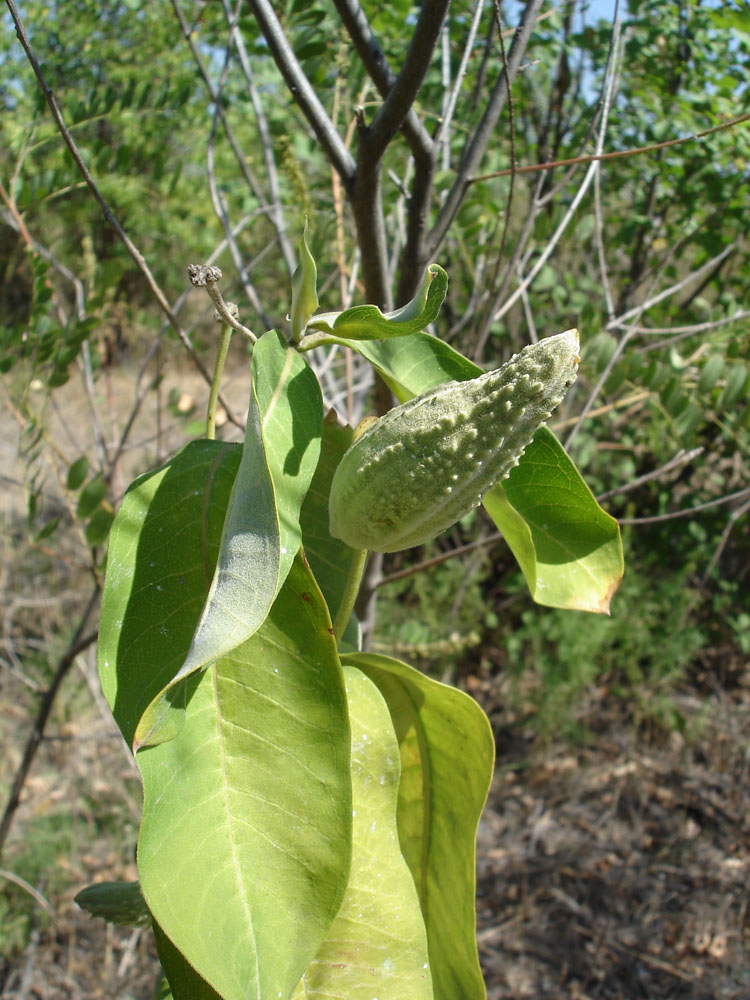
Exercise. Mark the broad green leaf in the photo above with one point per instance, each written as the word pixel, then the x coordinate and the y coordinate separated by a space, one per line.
pixel 411 367
pixel 184 982
pixel 115 902
pixel 329 558
pixel 369 323
pixel 162 553
pixel 568 548
pixel 261 533
pixel 376 946
pixel 246 834
pixel 304 288
pixel 447 754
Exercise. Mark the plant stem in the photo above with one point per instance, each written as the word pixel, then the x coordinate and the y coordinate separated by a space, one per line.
pixel 353 580
pixel 213 396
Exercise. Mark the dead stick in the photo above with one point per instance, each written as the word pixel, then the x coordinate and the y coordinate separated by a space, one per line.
pixel 78 643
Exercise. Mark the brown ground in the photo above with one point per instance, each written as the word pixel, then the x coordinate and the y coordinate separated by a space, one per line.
pixel 621 871
pixel 616 871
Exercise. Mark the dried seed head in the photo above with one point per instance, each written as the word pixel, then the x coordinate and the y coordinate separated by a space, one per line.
pixel 417 470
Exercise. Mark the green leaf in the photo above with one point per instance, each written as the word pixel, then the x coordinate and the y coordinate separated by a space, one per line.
pixel 98 527
pixel 184 981
pixel 162 553
pixel 91 496
pixel 330 559
pixel 447 756
pixel 245 840
pixel 261 532
pixel 734 387
pixel 376 946
pixel 115 902
pixel 77 473
pixel 369 323
pixel 49 529
pixel 711 372
pixel 568 548
pixel 304 288
pixel 411 367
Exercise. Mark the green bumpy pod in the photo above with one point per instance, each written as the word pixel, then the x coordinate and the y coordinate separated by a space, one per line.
pixel 417 470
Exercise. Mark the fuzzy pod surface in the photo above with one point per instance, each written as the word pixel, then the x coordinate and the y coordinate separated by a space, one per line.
pixel 420 468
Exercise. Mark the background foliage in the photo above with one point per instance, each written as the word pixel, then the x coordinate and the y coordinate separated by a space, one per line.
pixel 188 140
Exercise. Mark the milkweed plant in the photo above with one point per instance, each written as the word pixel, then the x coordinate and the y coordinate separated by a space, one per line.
pixel 309 808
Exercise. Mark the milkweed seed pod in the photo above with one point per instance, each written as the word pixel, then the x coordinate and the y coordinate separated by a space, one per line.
pixel 417 470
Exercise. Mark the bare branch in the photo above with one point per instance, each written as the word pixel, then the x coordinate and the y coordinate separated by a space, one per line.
pixel 401 95
pixel 437 560
pixel 242 160
pixel 376 65
pixel 275 209
pixel 78 643
pixel 688 511
pixel 302 92
pixel 615 154
pixel 477 145
pixel 220 209
pixel 442 135
pixel 500 310
pixel 681 458
pixel 622 320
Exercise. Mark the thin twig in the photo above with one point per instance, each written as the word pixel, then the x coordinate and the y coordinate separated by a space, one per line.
pixel 477 144
pixel 437 560
pixel 500 310
pixel 677 333
pixel 485 326
pixel 443 133
pixel 616 154
pixel 242 159
pixel 78 643
pixel 688 511
pixel 734 517
pixel 622 320
pixel 222 214
pixel 599 235
pixel 681 458
pixel 275 209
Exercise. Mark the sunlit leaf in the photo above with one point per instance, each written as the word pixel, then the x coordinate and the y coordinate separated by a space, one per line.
pixel 304 288
pixel 261 532
pixel 447 756
pixel 245 840
pixel 376 946
pixel 369 323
